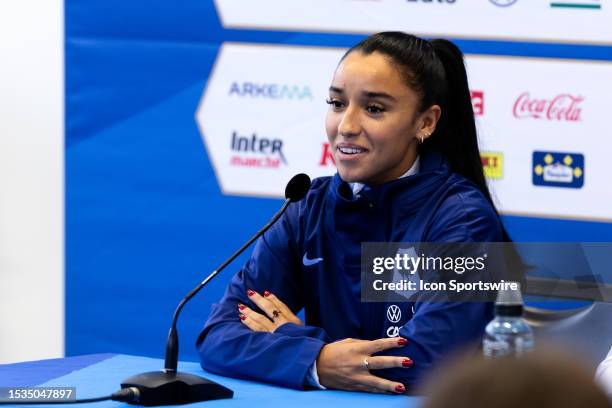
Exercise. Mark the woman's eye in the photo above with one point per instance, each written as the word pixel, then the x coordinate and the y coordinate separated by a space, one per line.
pixel 374 109
pixel 334 102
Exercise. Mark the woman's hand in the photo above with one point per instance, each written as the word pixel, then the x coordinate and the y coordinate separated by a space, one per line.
pixel 340 365
pixel 346 365
pixel 276 313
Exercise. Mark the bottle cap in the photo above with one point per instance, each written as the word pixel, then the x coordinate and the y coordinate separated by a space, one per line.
pixel 510 296
pixel 509 301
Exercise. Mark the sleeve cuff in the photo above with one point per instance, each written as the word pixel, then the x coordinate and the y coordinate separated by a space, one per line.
pixel 312 377
pixel 294 330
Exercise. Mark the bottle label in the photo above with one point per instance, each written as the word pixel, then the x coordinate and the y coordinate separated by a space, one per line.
pixel 495 348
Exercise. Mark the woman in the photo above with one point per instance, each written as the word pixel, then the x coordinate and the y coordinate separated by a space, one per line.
pixel 402 130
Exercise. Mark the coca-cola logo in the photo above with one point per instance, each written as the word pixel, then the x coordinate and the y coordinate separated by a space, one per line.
pixel 564 107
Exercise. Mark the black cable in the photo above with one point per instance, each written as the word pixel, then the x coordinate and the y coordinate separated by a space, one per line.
pixel 124 395
pixel 43 402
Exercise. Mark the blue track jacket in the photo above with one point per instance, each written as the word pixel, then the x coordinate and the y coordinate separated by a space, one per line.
pixel 434 205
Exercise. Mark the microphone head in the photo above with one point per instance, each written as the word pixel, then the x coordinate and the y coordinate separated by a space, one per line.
pixel 297 187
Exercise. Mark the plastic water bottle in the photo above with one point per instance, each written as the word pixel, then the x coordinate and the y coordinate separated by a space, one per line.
pixel 508 334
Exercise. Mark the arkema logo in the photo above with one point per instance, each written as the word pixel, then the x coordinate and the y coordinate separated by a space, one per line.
pixel 270 91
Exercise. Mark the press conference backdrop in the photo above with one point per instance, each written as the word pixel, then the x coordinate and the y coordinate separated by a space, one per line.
pixel 185 120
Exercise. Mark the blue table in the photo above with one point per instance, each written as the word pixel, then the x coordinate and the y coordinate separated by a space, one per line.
pixel 100 374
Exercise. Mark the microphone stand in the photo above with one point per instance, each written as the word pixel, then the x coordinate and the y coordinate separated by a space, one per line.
pixel 170 387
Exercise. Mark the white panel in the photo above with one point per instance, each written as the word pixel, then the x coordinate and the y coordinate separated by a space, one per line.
pixel 31 180
pixel 273 98
pixel 552 106
pixel 524 105
pixel 535 20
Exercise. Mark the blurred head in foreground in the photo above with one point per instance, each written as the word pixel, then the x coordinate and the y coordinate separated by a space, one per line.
pixel 550 379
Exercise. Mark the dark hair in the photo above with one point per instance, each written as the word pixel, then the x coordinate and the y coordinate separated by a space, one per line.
pixel 436 72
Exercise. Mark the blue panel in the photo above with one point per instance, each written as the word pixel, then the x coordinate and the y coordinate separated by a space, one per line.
pixel 145 220
pixel 32 373
pixel 529 229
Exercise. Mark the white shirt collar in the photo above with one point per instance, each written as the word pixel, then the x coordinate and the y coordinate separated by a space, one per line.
pixel 357 187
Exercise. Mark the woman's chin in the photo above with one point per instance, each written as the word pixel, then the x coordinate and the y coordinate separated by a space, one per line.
pixel 351 176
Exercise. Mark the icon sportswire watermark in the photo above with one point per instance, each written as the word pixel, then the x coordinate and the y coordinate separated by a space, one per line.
pixel 475 272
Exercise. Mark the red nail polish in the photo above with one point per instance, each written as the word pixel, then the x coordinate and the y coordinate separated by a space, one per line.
pixel 241 306
pixel 402 342
pixel 266 293
pixel 242 317
pixel 400 389
pixel 407 362
pixel 250 292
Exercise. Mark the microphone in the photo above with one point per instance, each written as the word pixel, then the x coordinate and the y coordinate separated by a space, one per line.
pixel 297 187
pixel 170 387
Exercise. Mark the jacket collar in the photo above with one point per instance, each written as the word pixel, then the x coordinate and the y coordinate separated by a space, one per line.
pixel 434 170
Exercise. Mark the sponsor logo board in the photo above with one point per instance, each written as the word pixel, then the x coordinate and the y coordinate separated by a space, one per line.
pixel 555 169
pixel 262 121
pixel 260 117
pixel 523 20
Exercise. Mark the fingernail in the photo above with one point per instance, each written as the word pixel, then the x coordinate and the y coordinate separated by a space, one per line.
pixel 241 306
pixel 402 342
pixel 400 389
pixel 407 362
pixel 250 292
pixel 242 317
pixel 266 293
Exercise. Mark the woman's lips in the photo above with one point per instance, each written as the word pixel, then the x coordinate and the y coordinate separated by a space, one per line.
pixel 350 152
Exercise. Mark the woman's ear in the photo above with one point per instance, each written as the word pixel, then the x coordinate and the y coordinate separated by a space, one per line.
pixel 428 121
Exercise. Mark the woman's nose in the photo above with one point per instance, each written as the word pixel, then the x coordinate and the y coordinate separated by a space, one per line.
pixel 349 125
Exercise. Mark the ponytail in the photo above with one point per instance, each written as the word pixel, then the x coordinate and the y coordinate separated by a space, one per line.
pixel 455 136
